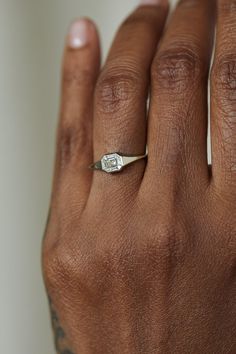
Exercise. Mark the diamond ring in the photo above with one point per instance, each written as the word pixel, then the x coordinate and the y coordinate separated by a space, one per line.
pixel 115 162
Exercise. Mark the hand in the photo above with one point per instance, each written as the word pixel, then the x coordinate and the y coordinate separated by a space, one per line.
pixel 144 261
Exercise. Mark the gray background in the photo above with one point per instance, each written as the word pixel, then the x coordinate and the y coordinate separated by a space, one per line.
pixel 32 35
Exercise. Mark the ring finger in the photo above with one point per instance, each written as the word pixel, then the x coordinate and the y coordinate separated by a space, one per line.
pixel 121 94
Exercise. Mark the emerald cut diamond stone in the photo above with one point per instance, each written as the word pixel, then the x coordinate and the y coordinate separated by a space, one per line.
pixel 112 163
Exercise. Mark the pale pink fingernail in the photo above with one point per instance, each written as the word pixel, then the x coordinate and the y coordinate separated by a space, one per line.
pixel 154 2
pixel 79 34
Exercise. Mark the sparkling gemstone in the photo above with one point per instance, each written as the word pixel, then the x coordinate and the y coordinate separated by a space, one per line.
pixel 112 163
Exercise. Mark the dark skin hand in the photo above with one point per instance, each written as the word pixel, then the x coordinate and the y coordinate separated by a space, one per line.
pixel 144 261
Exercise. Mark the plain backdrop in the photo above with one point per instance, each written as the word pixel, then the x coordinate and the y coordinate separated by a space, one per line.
pixel 32 35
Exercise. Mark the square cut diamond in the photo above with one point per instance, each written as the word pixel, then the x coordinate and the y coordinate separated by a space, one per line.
pixel 112 163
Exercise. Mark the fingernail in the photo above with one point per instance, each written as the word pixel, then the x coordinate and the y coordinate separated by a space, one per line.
pixel 154 2
pixel 79 34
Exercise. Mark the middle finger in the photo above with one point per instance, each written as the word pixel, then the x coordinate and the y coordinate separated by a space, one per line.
pixel 178 117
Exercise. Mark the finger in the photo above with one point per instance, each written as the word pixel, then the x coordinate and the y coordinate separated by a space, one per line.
pixel 74 143
pixel 223 99
pixel 177 135
pixel 121 93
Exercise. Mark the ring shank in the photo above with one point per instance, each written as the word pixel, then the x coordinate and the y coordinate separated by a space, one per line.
pixel 130 159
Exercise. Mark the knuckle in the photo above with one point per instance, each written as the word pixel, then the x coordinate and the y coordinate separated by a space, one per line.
pixel 60 267
pixel 176 69
pixel 72 139
pixel 115 90
pixel 224 76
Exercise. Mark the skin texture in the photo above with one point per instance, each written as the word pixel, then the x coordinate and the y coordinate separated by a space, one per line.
pixel 144 261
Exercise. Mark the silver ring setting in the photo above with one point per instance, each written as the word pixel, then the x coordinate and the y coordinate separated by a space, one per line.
pixel 115 162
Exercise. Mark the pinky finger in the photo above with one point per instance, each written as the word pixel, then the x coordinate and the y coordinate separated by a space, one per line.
pixel 74 141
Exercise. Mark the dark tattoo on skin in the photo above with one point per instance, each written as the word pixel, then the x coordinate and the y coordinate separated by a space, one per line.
pixel 60 336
